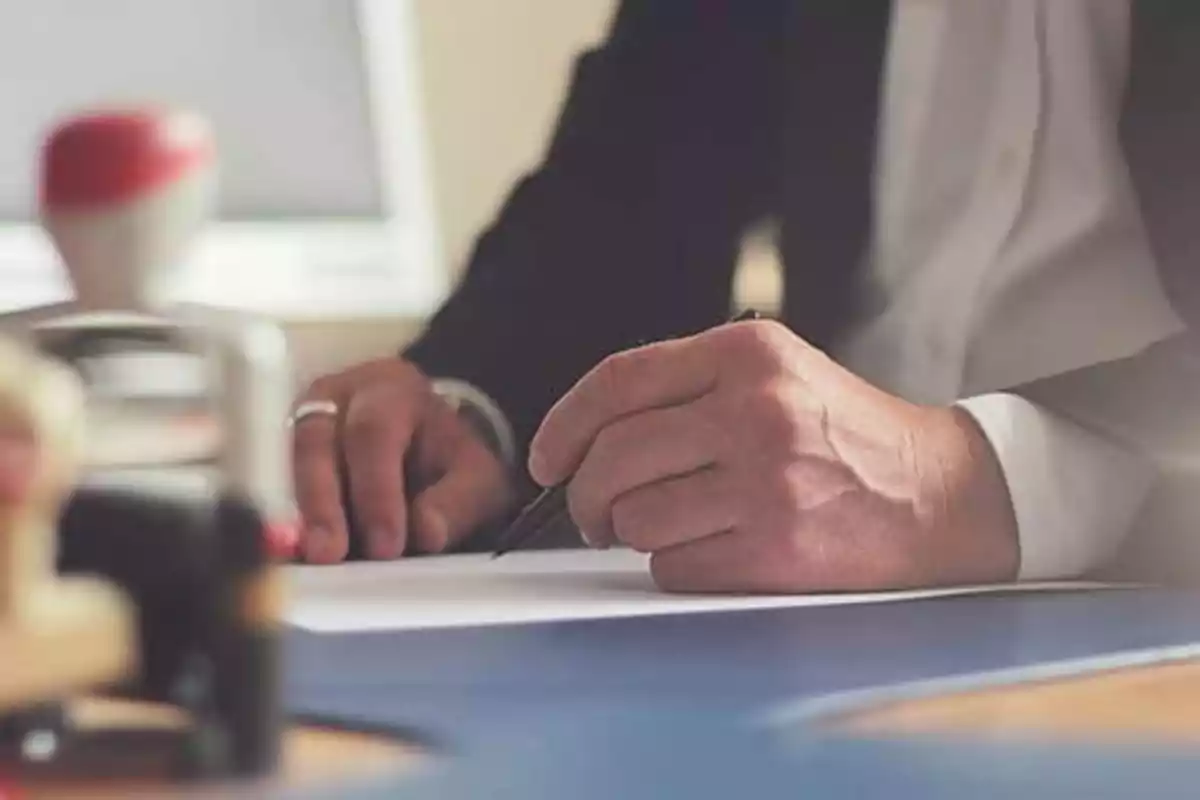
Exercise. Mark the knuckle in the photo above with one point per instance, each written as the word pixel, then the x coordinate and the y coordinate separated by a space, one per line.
pixel 762 344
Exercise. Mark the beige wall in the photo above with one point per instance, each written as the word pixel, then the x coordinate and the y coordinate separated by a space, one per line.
pixel 494 72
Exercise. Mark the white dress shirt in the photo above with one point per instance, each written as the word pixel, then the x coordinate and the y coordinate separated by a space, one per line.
pixel 1009 247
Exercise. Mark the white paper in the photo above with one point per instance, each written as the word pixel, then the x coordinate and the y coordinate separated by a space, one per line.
pixel 533 586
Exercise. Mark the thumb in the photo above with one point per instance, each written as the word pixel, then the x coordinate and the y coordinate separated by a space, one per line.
pixel 473 491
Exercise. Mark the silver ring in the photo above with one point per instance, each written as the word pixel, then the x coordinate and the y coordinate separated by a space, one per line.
pixel 310 408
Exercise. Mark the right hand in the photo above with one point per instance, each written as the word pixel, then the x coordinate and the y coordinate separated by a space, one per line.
pixel 390 422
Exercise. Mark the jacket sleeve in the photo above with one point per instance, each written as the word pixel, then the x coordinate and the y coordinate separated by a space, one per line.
pixel 664 153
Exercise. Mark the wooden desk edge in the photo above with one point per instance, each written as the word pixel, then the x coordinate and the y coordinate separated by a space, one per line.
pixel 315 755
pixel 1153 702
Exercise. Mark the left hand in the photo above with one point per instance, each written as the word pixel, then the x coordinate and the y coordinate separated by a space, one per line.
pixel 743 459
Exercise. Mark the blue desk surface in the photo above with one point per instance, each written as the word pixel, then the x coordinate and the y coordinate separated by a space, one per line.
pixel 640 756
pixel 454 685
pixel 722 698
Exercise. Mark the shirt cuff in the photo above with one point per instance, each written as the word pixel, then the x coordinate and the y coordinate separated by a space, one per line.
pixel 482 412
pixel 1074 493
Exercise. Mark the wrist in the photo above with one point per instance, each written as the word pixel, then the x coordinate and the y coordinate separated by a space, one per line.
pixel 976 525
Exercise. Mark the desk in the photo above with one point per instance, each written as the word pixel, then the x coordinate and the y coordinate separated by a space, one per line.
pixel 1158 703
pixel 313 756
pixel 497 697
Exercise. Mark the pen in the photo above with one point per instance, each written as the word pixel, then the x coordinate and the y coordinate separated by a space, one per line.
pixel 550 506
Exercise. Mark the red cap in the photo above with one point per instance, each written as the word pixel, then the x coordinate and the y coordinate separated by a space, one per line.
pixel 110 158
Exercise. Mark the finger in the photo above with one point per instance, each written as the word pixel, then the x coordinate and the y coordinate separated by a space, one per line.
pixel 436 444
pixel 473 491
pixel 463 484
pixel 677 510
pixel 376 434
pixel 662 374
pixel 634 451
pixel 18 464
pixel 324 537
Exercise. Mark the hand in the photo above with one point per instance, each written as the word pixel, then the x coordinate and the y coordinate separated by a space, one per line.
pixel 391 423
pixel 744 459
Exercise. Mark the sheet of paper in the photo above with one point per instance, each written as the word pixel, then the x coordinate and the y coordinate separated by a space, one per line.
pixel 534 586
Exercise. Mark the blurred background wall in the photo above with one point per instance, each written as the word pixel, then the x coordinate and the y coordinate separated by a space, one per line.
pixel 493 74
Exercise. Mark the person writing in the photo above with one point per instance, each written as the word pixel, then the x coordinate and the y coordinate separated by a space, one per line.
pixel 965 382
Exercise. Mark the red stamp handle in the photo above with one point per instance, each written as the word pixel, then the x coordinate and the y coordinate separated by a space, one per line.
pixel 109 158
